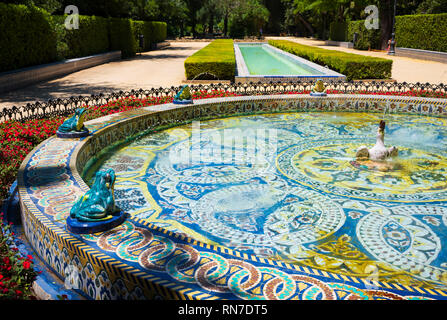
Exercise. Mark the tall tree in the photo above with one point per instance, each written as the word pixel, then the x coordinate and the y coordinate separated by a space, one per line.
pixel 193 8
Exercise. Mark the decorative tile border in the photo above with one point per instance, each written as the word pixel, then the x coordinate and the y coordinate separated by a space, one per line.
pixel 138 260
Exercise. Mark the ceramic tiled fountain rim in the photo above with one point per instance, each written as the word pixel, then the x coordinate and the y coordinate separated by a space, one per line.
pixel 143 283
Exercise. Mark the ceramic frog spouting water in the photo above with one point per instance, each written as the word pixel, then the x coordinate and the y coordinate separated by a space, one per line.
pixel 319 87
pixel 184 94
pixel 74 123
pixel 99 201
pixel 379 151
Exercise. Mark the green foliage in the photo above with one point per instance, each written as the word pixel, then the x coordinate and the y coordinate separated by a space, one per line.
pixel 122 36
pixel 91 37
pixel 26 38
pixel 247 18
pixel 338 31
pixel 367 39
pixel 153 32
pixel 432 6
pixel 426 32
pixel 30 36
pixel 354 66
pixel 217 58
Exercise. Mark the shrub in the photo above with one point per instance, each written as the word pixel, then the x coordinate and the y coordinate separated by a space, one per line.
pixel 367 39
pixel 217 58
pixel 91 37
pixel 27 37
pixel 353 66
pixel 425 31
pixel 338 31
pixel 153 32
pixel 122 36
pixel 159 31
pixel 31 36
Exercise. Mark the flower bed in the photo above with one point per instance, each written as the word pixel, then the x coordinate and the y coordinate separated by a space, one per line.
pixel 16 272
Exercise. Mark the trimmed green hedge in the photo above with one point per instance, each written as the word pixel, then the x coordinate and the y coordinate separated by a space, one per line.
pixel 159 31
pixel 92 37
pixel 122 36
pixel 31 36
pixel 217 58
pixel 27 37
pixel 367 39
pixel 338 31
pixel 425 31
pixel 153 32
pixel 354 66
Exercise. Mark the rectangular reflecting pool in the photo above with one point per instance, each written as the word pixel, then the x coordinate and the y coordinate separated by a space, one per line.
pixel 263 62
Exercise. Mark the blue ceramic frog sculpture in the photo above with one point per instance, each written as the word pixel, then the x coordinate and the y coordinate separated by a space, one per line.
pixel 74 123
pixel 183 96
pixel 99 202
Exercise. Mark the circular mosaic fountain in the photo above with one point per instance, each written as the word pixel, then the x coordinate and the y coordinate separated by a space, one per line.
pixel 268 204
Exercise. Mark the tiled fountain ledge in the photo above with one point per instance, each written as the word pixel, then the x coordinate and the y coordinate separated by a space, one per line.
pixel 138 260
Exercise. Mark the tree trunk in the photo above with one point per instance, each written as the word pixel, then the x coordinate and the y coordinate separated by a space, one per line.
pixel 211 24
pixel 306 24
pixel 386 22
pixel 182 30
pixel 226 24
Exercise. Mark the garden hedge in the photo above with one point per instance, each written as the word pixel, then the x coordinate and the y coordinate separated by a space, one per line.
pixel 425 31
pixel 122 36
pixel 217 58
pixel 153 32
pixel 338 31
pixel 31 36
pixel 92 37
pixel 353 66
pixel 27 37
pixel 367 39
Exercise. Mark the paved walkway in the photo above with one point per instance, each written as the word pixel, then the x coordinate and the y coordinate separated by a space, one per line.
pixel 164 68
pixel 153 69
pixel 404 69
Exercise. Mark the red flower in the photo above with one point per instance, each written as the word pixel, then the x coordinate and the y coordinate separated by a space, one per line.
pixel 6 261
pixel 26 264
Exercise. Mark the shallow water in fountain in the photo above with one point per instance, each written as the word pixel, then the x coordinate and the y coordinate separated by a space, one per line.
pixel 288 186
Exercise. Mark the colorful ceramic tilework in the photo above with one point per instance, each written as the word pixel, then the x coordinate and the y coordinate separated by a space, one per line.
pixel 144 260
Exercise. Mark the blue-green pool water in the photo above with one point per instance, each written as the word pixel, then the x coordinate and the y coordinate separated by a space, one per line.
pixel 260 60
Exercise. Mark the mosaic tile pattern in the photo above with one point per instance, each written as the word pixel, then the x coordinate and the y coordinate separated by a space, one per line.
pixel 297 190
pixel 140 260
